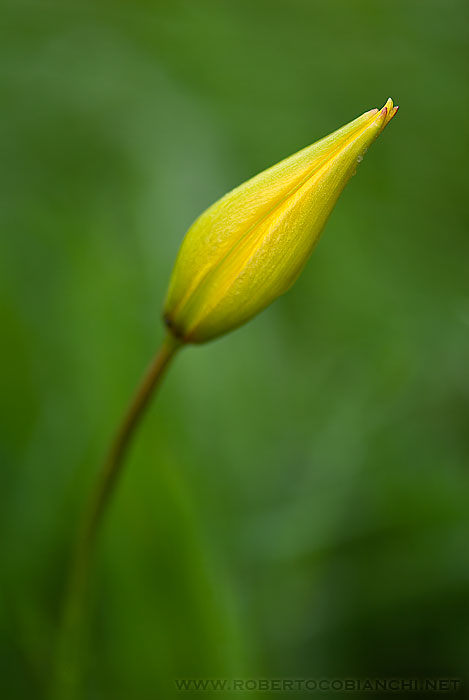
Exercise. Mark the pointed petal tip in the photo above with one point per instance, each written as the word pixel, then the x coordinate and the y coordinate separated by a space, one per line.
pixel 389 110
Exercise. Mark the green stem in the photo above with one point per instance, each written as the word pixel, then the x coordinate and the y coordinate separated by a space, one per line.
pixel 67 663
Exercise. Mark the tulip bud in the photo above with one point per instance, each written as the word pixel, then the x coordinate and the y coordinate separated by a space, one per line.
pixel 251 245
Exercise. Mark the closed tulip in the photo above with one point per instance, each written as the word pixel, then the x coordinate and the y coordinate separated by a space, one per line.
pixel 251 245
pixel 237 257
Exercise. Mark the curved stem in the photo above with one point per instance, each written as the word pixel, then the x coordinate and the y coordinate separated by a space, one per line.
pixel 67 677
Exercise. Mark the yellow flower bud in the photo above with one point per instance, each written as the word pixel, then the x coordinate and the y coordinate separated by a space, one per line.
pixel 250 246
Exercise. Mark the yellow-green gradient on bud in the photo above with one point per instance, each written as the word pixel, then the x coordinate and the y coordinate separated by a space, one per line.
pixel 251 245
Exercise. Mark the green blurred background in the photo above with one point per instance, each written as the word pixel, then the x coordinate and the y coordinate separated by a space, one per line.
pixel 296 501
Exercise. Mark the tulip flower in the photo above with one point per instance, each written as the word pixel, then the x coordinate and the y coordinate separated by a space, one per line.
pixel 251 245
pixel 237 257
